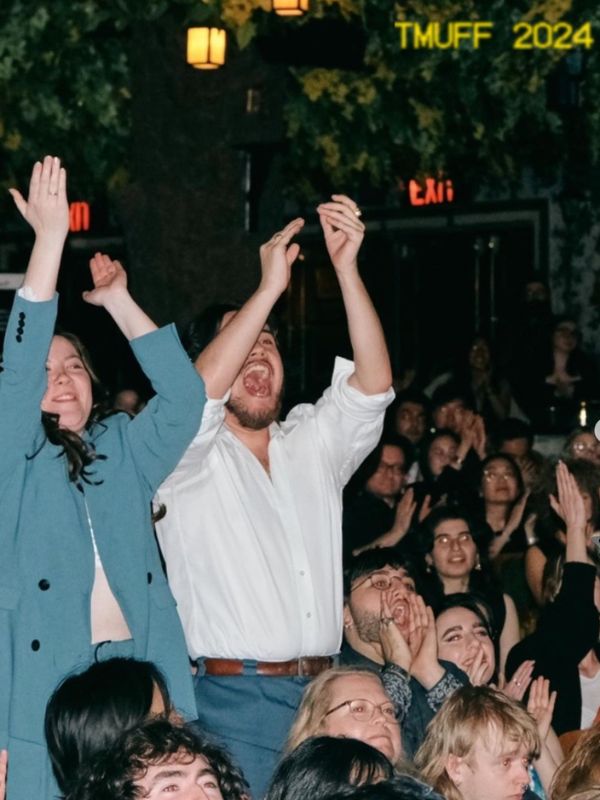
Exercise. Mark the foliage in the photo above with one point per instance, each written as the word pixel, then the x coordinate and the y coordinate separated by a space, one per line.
pixel 64 87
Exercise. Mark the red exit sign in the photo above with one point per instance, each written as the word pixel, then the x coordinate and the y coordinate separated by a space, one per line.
pixel 79 216
pixel 430 192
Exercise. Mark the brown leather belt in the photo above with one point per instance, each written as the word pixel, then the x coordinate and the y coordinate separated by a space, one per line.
pixel 308 666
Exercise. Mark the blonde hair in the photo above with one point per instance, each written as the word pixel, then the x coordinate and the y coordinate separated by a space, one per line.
pixel 315 704
pixel 469 715
pixel 581 770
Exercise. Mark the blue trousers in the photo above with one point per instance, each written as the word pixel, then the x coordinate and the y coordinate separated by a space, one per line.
pixel 251 715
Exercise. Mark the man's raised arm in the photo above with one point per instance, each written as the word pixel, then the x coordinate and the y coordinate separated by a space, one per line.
pixel 220 362
pixel 344 233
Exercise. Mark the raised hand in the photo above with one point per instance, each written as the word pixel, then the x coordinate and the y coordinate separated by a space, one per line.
pixel 343 231
pixel 425 666
pixel 569 505
pixel 519 683
pixel 277 256
pixel 46 208
pixel 109 278
pixel 541 705
pixel 395 648
pixel 425 509
pixel 478 668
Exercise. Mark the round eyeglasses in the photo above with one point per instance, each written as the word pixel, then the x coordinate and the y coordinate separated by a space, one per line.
pixel 364 710
pixel 383 582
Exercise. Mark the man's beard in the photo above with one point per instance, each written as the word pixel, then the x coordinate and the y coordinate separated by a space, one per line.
pixel 254 420
pixel 367 627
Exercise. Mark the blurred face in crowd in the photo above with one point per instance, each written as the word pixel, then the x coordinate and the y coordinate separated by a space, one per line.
pixel 479 355
pixel 256 393
pixel 461 637
pixel 411 421
pixel 536 292
pixel 69 391
pixel 500 482
pixel 442 452
pixel 517 448
pixel 360 709
pixel 565 336
pixel 363 608
pixel 450 415
pixel 586 447
pixel 454 552
pixel 387 479
pixel 181 779
pixel 495 769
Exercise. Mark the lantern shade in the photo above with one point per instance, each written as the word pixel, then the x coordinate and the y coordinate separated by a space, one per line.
pixel 290 8
pixel 206 47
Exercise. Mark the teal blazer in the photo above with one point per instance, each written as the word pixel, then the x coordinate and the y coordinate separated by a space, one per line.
pixel 46 552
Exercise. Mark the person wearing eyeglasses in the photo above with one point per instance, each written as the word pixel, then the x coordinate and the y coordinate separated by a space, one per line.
pixel 352 703
pixel 387 628
pixel 582 445
pixel 456 553
pixel 379 514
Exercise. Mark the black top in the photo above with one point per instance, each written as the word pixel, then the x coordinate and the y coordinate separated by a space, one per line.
pixel 566 631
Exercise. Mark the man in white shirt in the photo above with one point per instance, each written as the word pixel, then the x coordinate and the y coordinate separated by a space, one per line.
pixel 252 534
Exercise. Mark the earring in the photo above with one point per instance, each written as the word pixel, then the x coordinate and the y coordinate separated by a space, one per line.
pixel 478 565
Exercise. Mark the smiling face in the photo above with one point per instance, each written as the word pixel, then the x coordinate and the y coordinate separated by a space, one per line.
pixel 496 768
pixel 256 393
pixel 69 391
pixel 454 553
pixel 461 636
pixel 382 731
pixel 180 779
pixel 363 608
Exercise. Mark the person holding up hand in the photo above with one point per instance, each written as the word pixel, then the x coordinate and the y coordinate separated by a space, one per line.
pixel 564 645
pixel 254 546
pixel 81 578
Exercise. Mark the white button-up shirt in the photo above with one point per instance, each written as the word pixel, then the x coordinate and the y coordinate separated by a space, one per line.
pixel 255 562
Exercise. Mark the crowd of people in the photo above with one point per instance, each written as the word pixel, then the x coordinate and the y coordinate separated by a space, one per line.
pixel 374 597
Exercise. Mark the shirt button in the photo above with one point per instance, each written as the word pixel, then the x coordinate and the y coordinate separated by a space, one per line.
pixel 44 585
pixel 308 615
pixel 19 338
pixel 149 577
pixel 302 572
pixel 35 645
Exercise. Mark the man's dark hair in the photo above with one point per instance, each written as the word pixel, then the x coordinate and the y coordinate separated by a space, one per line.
pixel 113 774
pixel 375 559
pixel 513 428
pixel 322 765
pixel 369 466
pixel 398 787
pixel 412 396
pixel 199 332
pixel 447 393
pixel 89 711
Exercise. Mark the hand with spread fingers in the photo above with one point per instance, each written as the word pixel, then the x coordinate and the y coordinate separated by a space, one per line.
pixel 425 666
pixel 344 231
pixel 277 256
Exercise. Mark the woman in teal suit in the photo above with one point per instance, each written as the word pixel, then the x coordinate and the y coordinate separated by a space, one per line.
pixel 80 575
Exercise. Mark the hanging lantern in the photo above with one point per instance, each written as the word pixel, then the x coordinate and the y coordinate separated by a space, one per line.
pixel 290 8
pixel 206 47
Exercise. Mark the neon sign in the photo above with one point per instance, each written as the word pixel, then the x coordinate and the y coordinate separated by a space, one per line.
pixel 433 193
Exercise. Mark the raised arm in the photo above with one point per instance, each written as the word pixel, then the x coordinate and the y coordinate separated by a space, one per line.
pixel 344 233
pixel 220 362
pixel 110 291
pixel 47 211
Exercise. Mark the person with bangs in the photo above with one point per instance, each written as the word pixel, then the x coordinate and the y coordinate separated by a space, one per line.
pixel 455 548
pixel 81 575
pixel 480 744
